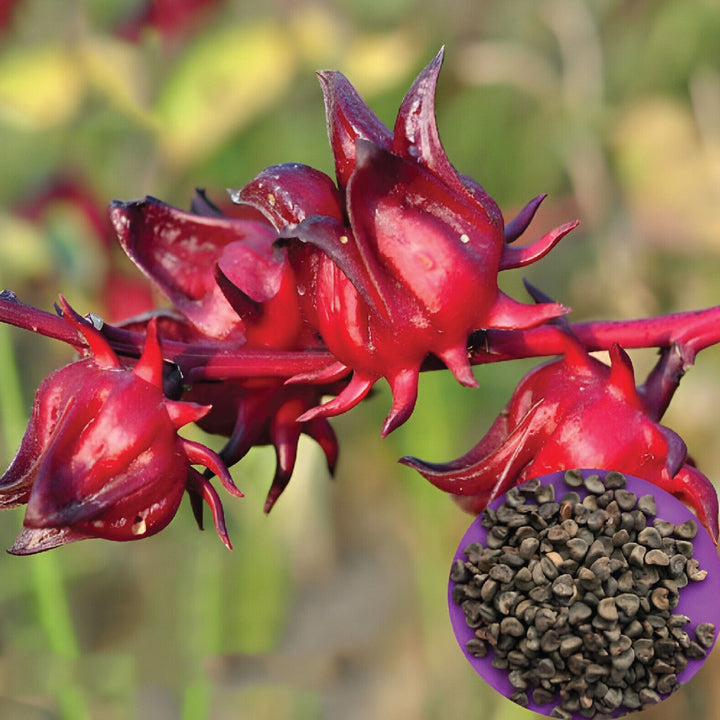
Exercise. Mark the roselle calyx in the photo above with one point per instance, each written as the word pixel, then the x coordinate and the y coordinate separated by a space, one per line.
pixel 221 273
pixel 401 259
pixel 575 412
pixel 232 287
pixel 101 457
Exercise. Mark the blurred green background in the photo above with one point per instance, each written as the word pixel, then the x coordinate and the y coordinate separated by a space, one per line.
pixel 334 606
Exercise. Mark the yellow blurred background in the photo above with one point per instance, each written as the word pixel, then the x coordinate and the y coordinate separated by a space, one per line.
pixel 334 606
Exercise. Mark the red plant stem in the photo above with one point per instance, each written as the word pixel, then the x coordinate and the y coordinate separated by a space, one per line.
pixel 220 360
pixel 695 330
pixel 692 331
pixel 660 385
pixel 13 312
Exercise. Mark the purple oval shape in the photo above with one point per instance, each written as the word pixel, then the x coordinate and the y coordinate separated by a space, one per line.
pixel 697 599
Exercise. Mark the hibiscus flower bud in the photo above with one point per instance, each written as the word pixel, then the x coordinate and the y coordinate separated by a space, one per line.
pixel 569 413
pixel 101 456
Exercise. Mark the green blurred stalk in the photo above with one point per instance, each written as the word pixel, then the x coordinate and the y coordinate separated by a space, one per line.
pixel 53 608
pixel 47 579
pixel 201 629
pixel 196 700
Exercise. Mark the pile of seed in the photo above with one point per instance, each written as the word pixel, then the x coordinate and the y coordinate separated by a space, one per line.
pixel 575 598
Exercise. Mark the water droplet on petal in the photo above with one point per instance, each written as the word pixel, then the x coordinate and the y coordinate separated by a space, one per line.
pixel 96 321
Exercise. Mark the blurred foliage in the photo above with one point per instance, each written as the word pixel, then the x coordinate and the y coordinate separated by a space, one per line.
pixel 334 606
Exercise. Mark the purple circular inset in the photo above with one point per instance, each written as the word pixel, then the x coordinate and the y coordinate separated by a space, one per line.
pixel 697 599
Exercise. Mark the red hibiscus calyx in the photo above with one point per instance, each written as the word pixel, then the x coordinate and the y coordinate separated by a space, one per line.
pixel 404 252
pixel 569 413
pixel 101 456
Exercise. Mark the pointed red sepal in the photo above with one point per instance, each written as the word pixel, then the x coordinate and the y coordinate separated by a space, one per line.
pixel 285 437
pixel 250 414
pixel 457 361
pixel 348 118
pixel 416 136
pixel 102 353
pixel 198 454
pixel 416 139
pixel 510 314
pixel 622 376
pixel 575 354
pixel 517 226
pixel 34 540
pixel 676 452
pixel 330 373
pixel 694 489
pixel 149 366
pixel 200 204
pixel 516 257
pixel 203 488
pixel 404 387
pixel 196 503
pixel 488 475
pixel 358 387
pixel 182 412
pixel 279 483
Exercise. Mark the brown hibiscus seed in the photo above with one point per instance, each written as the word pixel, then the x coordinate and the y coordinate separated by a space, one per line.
pixel 646 505
pixel 594 485
pixel 650 538
pixel 614 480
pixel 693 571
pixel 607 609
pixel 705 634
pixel 687 530
pixel 545 494
pixel 476 647
pixel 573 478
pixel 573 598
pixel 657 557
pixel 459 572
pixel 626 500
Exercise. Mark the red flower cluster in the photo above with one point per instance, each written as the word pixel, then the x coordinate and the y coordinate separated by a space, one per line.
pixel 308 287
